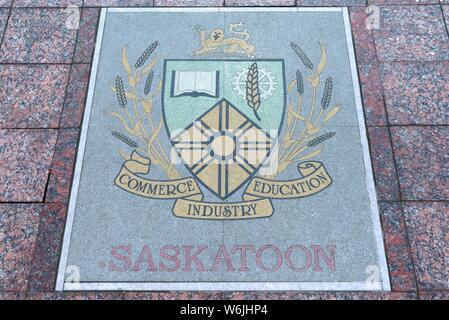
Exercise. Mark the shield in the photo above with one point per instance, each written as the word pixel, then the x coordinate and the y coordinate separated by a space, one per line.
pixel 223 122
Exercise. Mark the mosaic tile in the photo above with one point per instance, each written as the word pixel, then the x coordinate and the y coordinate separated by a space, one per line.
pixel 32 96
pixel 25 159
pixel 38 36
pixel 422 154
pixel 423 88
pixel 428 228
pixel 19 225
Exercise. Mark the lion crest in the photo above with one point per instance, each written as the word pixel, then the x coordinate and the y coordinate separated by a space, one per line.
pixel 216 41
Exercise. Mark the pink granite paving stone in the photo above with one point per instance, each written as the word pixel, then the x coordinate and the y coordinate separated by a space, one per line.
pixel 18 231
pixel 47 3
pixel 118 3
pixel 446 13
pixel 25 159
pixel 3 17
pixel 331 2
pixel 38 36
pixel 173 295
pixel 291 295
pixel 62 167
pixel 75 96
pixel 412 33
pixel 400 265
pixel 188 3
pixel 372 94
pixel 424 88
pixel 428 227
pixel 45 260
pixel 393 2
pixel 12 296
pixel 75 296
pixel 32 96
pixel 5 3
pixel 383 164
pixel 242 3
pixel 86 37
pixel 362 31
pixel 422 157
pixel 434 295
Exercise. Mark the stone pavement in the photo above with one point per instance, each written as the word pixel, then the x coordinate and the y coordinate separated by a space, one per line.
pixel 403 64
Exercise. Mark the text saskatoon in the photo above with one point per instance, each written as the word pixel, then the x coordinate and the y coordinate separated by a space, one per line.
pixel 227 258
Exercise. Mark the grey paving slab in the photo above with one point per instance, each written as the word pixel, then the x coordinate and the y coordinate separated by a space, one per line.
pixel 224 151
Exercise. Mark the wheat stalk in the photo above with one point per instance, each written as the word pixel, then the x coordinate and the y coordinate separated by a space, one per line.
pixel 120 91
pixel 252 89
pixel 327 95
pixel 148 83
pixel 130 142
pixel 322 138
pixel 299 82
pixel 302 56
pixel 146 54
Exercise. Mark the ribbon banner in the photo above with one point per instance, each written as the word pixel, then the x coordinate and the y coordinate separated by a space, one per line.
pixel 256 198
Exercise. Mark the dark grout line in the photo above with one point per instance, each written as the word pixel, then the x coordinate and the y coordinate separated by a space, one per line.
pixel 444 18
pixel 6 25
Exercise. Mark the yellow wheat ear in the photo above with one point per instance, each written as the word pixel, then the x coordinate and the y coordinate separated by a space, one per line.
pixel 252 89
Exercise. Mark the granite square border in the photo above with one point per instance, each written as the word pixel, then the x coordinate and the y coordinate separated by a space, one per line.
pixel 383 285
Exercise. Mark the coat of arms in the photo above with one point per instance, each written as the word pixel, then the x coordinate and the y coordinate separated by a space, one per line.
pixel 234 123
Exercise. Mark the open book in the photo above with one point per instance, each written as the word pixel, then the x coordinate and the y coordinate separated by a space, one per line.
pixel 195 83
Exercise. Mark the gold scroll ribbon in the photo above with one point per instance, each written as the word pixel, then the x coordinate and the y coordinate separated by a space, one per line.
pixel 314 179
pixel 128 180
pixel 188 196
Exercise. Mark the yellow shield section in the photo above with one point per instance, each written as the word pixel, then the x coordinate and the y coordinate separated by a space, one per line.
pixel 223 148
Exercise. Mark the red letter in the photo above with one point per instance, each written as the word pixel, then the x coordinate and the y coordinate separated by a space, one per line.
pixel 173 258
pixel 145 256
pixel 330 261
pixel 226 258
pixel 289 262
pixel 259 257
pixel 126 260
pixel 243 248
pixel 189 258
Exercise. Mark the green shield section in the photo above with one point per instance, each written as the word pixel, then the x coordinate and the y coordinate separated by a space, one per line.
pixel 180 111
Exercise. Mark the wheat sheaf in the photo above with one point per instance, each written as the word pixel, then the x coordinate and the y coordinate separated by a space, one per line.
pixel 135 112
pixel 302 138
